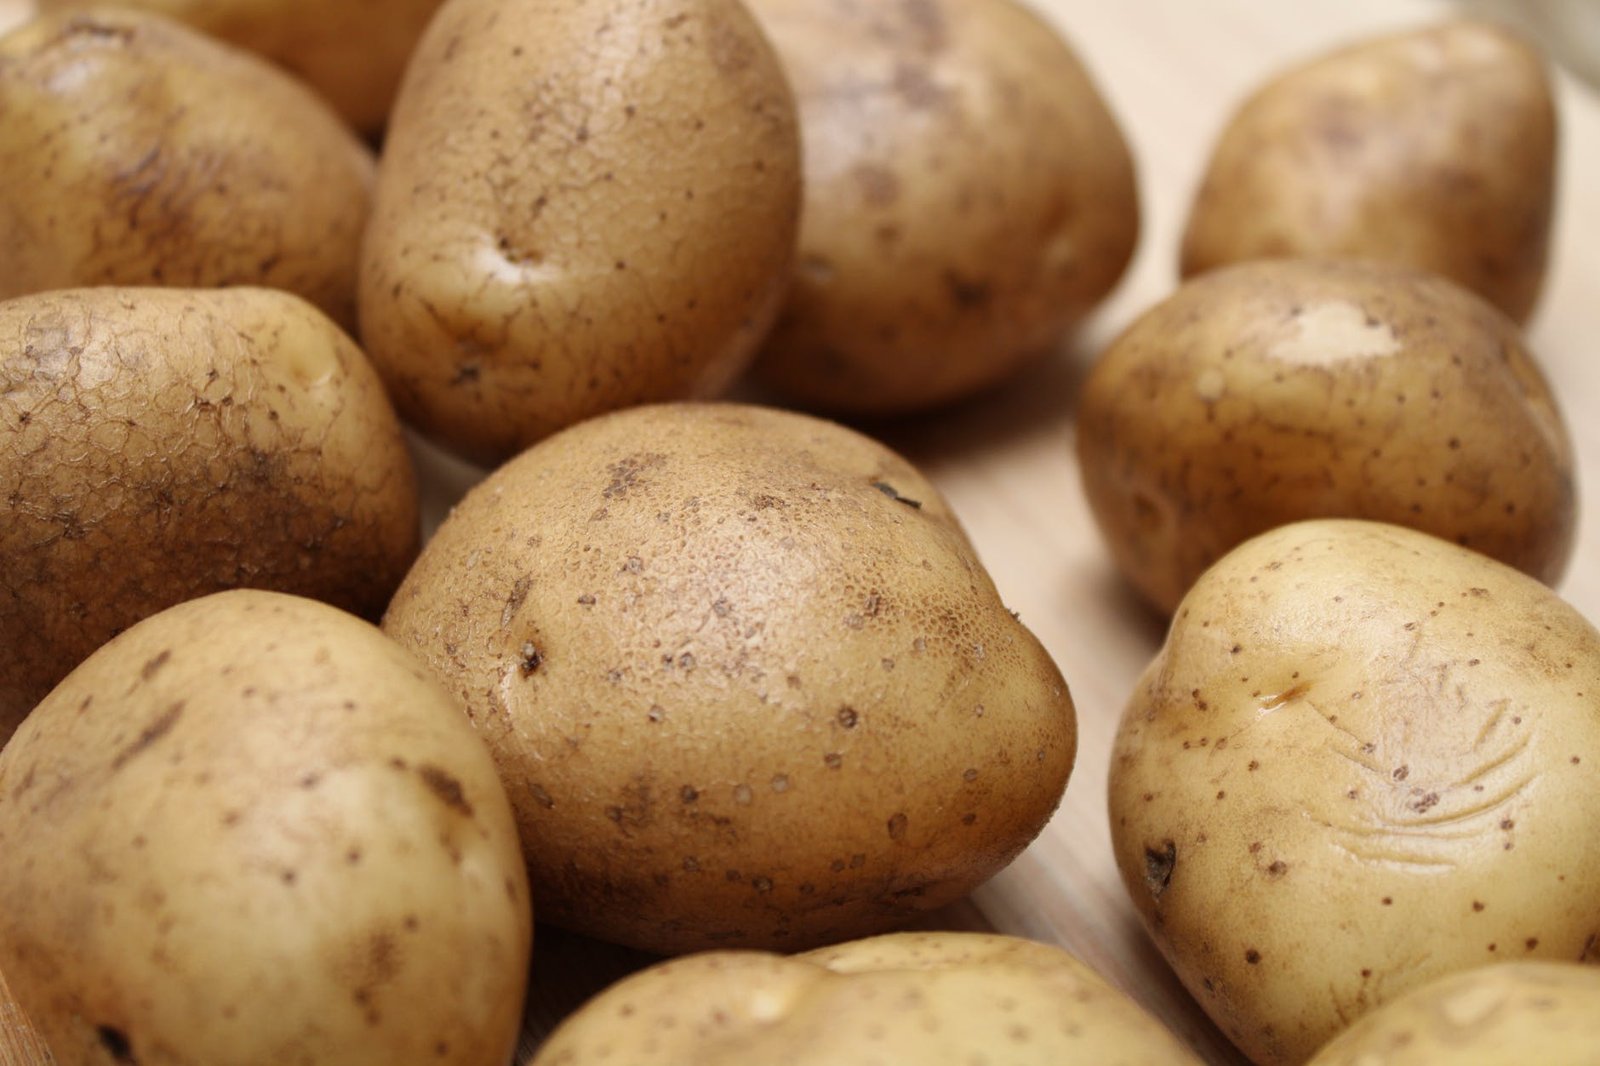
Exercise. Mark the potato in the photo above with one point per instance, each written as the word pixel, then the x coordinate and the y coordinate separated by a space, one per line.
pixel 745 679
pixel 582 206
pixel 1536 1012
pixel 1434 149
pixel 969 198
pixel 1364 759
pixel 352 52
pixel 160 444
pixel 252 830
pixel 1270 392
pixel 926 998
pixel 134 151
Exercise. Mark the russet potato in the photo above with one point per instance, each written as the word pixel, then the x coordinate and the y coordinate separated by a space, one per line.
pixel 747 683
pixel 251 830
pixel 1364 760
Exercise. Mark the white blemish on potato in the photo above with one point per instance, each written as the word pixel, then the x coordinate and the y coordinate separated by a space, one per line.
pixel 1210 384
pixel 1334 332
pixel 1472 1006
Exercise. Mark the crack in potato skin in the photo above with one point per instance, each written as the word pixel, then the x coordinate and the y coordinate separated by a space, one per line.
pixel 157 445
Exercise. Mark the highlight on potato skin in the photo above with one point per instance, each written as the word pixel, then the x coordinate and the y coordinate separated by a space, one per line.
pixel 935 999
pixel 969 199
pixel 1269 392
pixel 1433 148
pixel 747 683
pixel 1364 759
pixel 583 206
pixel 161 444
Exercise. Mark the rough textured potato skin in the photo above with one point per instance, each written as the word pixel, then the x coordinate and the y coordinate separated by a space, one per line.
pixel 969 198
pixel 745 679
pixel 135 151
pixel 161 444
pixel 935 999
pixel 1536 1012
pixel 1364 759
pixel 252 830
pixel 1270 392
pixel 1435 149
pixel 351 51
pixel 582 206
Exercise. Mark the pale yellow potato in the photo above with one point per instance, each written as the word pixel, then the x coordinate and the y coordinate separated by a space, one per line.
pixel 1364 759
pixel 1434 148
pixel 1275 391
pixel 1544 1013
pixel 161 444
pixel 582 207
pixel 969 197
pixel 135 151
pixel 251 830
pixel 747 683
pixel 934 999
pixel 352 52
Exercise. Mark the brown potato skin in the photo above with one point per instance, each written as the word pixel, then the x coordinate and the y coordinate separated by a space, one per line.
pixel 352 52
pixel 135 151
pixel 1536 1012
pixel 582 207
pixel 1275 391
pixel 1434 149
pixel 251 830
pixel 745 679
pixel 161 444
pixel 934 999
pixel 969 198
pixel 1364 759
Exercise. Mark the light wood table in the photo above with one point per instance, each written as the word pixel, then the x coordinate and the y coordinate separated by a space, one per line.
pixel 1173 70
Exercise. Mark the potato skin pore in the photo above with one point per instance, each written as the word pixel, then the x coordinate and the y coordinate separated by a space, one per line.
pixel 1434 149
pixel 936 999
pixel 969 198
pixel 582 207
pixel 1271 392
pixel 745 679
pixel 135 151
pixel 352 52
pixel 160 444
pixel 1543 1012
pixel 1364 759
pixel 252 831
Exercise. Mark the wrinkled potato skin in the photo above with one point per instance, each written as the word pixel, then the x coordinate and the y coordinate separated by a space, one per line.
pixel 740 695
pixel 969 198
pixel 352 52
pixel 1535 1012
pixel 135 151
pixel 1271 392
pixel 251 830
pixel 161 444
pixel 1434 149
pixel 1364 759
pixel 582 207
pixel 935 999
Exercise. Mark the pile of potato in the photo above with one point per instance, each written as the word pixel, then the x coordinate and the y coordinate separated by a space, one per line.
pixel 725 681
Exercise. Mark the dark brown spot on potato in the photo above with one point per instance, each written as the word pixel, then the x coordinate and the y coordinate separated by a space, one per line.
pixel 149 735
pixel 116 1043
pixel 848 717
pixel 897 827
pixel 531 659
pixel 1158 867
pixel 1252 956
pixel 151 668
pixel 447 788
pixel 894 494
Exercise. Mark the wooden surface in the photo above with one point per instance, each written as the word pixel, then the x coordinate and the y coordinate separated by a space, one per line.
pixel 1172 69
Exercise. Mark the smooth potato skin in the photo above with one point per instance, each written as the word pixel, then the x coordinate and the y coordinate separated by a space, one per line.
pixel 969 198
pixel 741 693
pixel 352 52
pixel 935 999
pixel 251 830
pixel 1364 759
pixel 1535 1012
pixel 582 207
pixel 1270 392
pixel 135 151
pixel 161 444
pixel 1434 149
